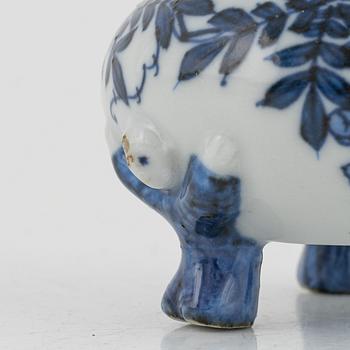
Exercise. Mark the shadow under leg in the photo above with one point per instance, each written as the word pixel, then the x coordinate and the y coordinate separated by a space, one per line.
pixel 326 269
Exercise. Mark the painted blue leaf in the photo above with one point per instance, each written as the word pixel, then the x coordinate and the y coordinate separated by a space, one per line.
pixel 286 91
pixel 164 25
pixel 294 56
pixel 199 57
pixel 124 41
pixel 238 49
pixel 334 87
pixel 299 5
pixel 335 55
pixel 340 126
pixel 346 171
pixel 343 12
pixel 314 125
pixel 336 30
pixel 120 32
pixel 267 10
pixel 122 29
pixel 135 17
pixel 314 31
pixel 303 21
pixel 108 70
pixel 233 19
pixel 148 15
pixel 324 13
pixel 194 7
pixel 272 31
pixel 119 82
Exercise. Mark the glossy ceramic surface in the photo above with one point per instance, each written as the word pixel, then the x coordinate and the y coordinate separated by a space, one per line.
pixel 269 81
pixel 232 120
pixel 218 280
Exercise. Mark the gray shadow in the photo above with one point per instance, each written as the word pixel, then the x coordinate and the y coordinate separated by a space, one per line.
pixel 192 337
pixel 324 321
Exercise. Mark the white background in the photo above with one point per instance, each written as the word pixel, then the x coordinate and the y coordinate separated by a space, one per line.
pixel 83 264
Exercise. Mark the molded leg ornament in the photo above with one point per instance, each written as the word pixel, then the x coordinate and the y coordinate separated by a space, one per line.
pixel 217 284
pixel 326 269
pixel 217 290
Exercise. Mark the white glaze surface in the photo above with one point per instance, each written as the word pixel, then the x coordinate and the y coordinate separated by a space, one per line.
pixel 65 281
pixel 289 194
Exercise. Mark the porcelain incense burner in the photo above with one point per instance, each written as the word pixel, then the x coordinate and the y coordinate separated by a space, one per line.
pixel 231 118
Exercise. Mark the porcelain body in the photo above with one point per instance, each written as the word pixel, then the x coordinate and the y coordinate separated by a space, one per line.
pixel 231 119
pixel 260 91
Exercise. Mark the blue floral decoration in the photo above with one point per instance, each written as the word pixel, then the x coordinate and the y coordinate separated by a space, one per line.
pixel 323 52
pixel 346 170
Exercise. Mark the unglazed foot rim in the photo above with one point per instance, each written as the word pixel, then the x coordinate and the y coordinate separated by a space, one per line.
pixel 176 318
pixel 217 326
pixel 207 325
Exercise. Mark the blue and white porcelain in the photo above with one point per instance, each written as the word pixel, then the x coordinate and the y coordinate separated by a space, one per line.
pixel 231 118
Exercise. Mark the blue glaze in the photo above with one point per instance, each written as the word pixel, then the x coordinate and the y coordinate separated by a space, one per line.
pixel 340 126
pixel 216 287
pixel 317 61
pixel 154 198
pixel 143 160
pixel 326 269
pixel 346 171
pixel 218 281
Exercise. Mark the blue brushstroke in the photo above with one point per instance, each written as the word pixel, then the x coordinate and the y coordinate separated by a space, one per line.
pixel 346 171
pixel 326 269
pixel 144 161
pixel 218 280
pixel 229 34
pixel 216 287
pixel 154 198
